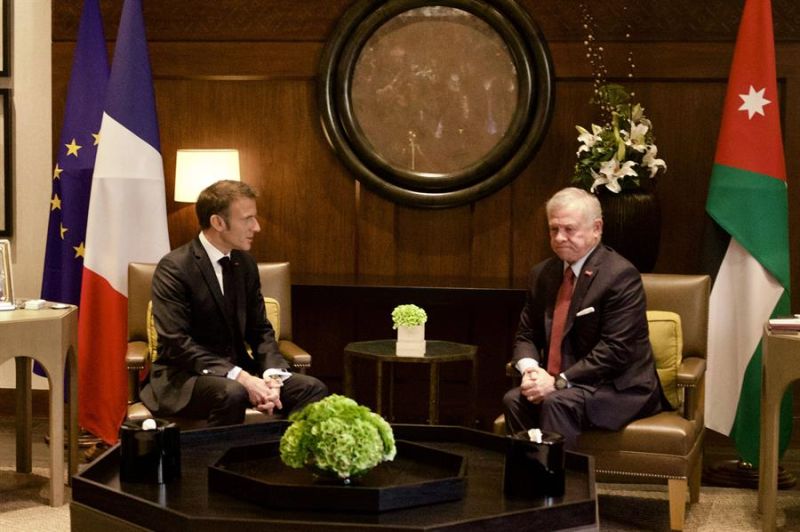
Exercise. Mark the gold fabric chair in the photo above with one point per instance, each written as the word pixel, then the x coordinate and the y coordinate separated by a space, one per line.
pixel 276 289
pixel 668 447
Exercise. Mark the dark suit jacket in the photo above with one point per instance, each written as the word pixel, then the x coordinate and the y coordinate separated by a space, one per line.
pixel 605 350
pixel 195 334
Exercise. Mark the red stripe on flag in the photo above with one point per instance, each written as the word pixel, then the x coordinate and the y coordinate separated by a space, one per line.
pixel 102 341
pixel 751 140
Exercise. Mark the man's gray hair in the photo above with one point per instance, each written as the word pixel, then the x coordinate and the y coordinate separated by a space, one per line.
pixel 585 201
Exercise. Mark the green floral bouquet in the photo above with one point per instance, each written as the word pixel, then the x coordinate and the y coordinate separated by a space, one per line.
pixel 337 435
pixel 408 316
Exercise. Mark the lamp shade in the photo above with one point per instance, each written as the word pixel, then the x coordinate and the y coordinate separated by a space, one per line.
pixel 197 169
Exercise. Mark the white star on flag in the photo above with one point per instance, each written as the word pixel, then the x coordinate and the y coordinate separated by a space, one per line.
pixel 754 102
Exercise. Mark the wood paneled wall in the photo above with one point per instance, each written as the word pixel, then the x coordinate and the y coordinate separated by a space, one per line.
pixel 237 73
pixel 242 74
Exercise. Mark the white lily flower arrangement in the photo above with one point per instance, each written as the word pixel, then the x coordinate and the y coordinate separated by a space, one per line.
pixel 621 155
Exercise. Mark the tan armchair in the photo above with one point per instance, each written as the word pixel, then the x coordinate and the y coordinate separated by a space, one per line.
pixel 275 284
pixel 668 447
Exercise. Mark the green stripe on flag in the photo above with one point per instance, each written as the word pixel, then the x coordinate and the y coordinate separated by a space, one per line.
pixel 753 209
pixel 745 431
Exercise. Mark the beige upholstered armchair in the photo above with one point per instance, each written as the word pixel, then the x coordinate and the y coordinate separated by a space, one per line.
pixel 668 447
pixel 276 289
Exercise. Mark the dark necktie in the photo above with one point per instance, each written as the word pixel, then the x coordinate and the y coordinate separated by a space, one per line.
pixel 559 322
pixel 228 285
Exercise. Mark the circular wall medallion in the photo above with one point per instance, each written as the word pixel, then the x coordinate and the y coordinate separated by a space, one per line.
pixel 435 103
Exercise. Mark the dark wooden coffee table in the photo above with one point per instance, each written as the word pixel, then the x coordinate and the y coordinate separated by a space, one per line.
pixel 100 501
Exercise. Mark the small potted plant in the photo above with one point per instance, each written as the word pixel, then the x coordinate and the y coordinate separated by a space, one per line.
pixel 409 320
pixel 337 438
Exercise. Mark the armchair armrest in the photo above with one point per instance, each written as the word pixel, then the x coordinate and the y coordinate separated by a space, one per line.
pixel 298 358
pixel 135 358
pixel 691 372
pixel 691 377
pixel 136 355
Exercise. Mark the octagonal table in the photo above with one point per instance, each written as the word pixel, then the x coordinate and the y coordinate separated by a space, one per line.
pixel 102 502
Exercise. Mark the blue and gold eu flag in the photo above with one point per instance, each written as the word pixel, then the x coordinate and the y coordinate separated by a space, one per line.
pixel 75 155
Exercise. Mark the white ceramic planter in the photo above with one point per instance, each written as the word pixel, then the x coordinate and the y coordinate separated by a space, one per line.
pixel 411 341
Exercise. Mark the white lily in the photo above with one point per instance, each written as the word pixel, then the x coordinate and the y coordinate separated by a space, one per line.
pixel 650 161
pixel 636 137
pixel 600 180
pixel 587 139
pixel 611 172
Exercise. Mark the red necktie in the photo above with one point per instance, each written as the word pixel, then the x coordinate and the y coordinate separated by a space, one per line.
pixel 559 321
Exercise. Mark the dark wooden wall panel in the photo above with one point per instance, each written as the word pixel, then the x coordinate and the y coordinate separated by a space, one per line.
pixel 238 61
pixel 376 235
pixel 304 197
pixel 491 247
pixel 430 245
pixel 257 93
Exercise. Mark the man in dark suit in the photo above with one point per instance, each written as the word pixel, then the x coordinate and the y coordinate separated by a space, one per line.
pixel 207 305
pixel 582 343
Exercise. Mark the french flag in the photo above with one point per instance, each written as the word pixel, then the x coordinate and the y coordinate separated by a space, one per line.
pixel 127 222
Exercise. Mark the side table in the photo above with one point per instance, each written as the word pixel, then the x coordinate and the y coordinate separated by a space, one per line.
pixel 780 366
pixel 437 352
pixel 51 337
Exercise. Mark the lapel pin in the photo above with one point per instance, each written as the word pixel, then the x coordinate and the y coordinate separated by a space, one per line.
pixel 588 273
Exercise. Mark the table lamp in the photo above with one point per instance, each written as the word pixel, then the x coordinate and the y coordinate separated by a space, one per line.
pixel 195 169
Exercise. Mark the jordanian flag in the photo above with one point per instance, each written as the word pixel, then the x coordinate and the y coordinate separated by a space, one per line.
pixel 747 200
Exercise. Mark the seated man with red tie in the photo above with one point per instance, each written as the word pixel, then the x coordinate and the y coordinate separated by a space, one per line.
pixel 582 344
pixel 207 305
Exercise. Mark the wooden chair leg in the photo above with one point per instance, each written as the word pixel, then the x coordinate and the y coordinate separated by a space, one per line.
pixel 677 502
pixel 694 484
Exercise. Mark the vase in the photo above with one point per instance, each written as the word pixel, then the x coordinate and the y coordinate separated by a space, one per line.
pixel 632 225
pixel 410 341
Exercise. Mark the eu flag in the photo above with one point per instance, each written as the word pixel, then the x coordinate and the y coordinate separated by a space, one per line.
pixel 75 155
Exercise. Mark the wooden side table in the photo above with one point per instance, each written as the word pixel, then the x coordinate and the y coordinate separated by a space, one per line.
pixel 780 366
pixel 51 337
pixel 437 352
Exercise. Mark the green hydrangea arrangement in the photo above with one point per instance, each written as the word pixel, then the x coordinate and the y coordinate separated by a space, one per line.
pixel 408 316
pixel 339 436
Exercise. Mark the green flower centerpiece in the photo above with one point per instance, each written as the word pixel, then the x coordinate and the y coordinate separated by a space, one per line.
pixel 408 316
pixel 336 436
pixel 409 320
